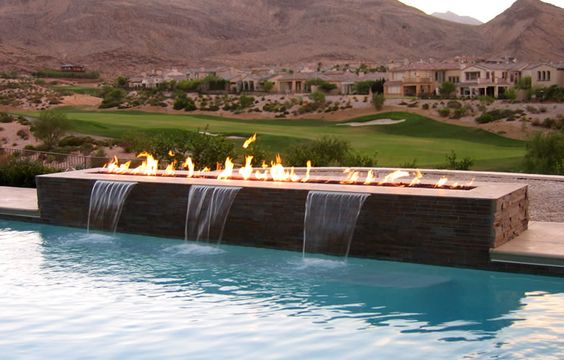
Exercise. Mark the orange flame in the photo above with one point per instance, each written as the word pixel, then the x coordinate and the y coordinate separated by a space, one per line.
pixel 308 170
pixel 170 169
pixel 442 182
pixel 247 171
pixel 392 177
pixel 370 178
pixel 249 141
pixel 277 171
pixel 114 166
pixel 149 166
pixel 171 153
pixel 417 179
pixel 188 164
pixel 228 171
pixel 352 176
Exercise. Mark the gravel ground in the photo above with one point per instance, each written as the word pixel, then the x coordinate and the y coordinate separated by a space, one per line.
pixel 546 193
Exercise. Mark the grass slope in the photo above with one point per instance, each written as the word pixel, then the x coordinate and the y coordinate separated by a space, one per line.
pixel 419 138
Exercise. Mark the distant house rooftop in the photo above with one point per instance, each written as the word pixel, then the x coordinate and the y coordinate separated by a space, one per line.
pixel 73 68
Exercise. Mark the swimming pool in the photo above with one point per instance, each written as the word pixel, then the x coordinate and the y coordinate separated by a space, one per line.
pixel 69 294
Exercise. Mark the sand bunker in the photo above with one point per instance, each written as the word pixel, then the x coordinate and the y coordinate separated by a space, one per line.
pixel 373 122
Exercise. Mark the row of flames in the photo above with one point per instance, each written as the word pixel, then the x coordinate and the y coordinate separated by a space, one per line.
pixel 273 172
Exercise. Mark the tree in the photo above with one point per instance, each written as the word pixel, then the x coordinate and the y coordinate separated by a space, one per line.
pixel 545 154
pixel 121 82
pixel 378 101
pixel 50 127
pixel 318 98
pixel 446 89
pixel 112 97
pixel 268 86
pixel 321 84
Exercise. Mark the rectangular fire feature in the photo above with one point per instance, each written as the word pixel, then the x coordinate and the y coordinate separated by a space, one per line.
pixel 418 224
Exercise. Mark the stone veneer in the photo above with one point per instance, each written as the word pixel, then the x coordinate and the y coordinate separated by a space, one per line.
pixel 433 226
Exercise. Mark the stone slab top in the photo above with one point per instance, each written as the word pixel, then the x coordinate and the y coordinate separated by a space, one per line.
pixel 542 239
pixel 18 201
pixel 481 190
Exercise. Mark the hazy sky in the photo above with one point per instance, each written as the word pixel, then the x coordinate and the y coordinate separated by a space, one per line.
pixel 483 10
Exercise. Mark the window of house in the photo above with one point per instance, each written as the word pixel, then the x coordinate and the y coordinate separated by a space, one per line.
pixel 548 75
pixel 472 75
pixel 539 78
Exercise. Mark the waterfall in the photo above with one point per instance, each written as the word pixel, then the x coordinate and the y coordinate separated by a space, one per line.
pixel 106 203
pixel 208 208
pixel 330 220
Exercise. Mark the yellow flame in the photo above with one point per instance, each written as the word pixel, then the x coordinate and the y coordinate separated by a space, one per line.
pixel 171 153
pixel 308 170
pixel 442 182
pixel 370 178
pixel 277 171
pixel 392 177
pixel 249 141
pixel 170 169
pixel 188 164
pixel 293 176
pixel 228 171
pixel 352 176
pixel 471 182
pixel 114 166
pixel 417 179
pixel 206 169
pixel 149 166
pixel 247 171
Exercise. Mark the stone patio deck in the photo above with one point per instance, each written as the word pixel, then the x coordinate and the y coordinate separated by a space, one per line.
pixel 542 244
pixel 18 202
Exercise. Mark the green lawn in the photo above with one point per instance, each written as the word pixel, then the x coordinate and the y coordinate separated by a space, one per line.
pixel 419 138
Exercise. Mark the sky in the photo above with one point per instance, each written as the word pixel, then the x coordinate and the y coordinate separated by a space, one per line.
pixel 483 10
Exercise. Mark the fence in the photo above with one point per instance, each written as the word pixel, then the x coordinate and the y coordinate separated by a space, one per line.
pixel 64 162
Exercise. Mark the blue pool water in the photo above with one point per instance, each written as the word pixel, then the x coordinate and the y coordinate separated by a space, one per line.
pixel 68 294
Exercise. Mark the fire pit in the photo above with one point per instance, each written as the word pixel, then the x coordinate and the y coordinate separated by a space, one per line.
pixel 426 222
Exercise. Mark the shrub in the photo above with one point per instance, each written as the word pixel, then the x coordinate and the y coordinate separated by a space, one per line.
pixel 184 102
pixel 454 164
pixel 50 127
pixel 378 101
pixel 23 134
pixel 545 154
pixel 459 113
pixel 495 115
pixel 327 151
pixel 486 100
pixel 48 73
pixel 246 101
pixel 532 109
pixel 444 112
pixel 6 118
pixel 22 172
pixel 453 104
pixel 318 98
pixel 425 106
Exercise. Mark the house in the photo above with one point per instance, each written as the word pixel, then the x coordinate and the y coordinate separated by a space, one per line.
pixel 545 75
pixel 491 79
pixel 420 79
pixel 73 68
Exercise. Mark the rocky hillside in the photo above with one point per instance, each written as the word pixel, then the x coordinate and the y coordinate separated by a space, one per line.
pixel 131 35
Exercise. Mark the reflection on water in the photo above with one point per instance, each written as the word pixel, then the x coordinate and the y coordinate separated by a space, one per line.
pixel 155 297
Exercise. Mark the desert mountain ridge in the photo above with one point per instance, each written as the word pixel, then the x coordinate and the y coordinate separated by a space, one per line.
pixel 450 16
pixel 133 35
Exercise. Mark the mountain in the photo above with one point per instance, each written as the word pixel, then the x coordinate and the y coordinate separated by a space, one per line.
pixel 450 16
pixel 529 29
pixel 133 35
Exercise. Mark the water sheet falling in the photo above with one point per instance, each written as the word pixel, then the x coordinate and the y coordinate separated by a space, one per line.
pixel 330 220
pixel 208 208
pixel 106 203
